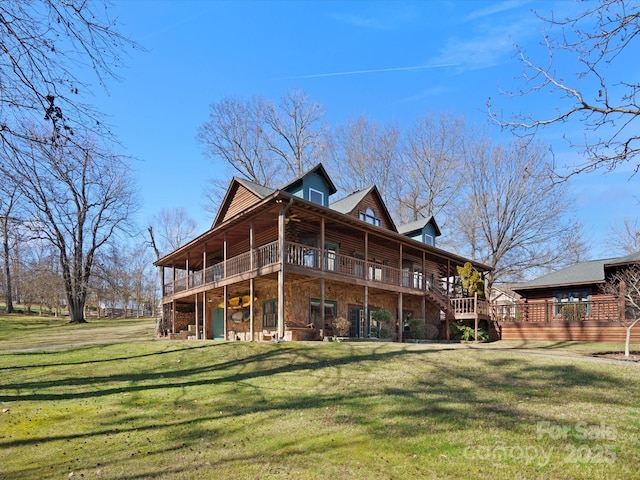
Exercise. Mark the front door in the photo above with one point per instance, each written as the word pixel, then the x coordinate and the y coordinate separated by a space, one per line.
pixel 217 324
pixel 355 317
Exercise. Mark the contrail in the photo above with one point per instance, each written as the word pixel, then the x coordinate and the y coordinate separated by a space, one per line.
pixel 362 72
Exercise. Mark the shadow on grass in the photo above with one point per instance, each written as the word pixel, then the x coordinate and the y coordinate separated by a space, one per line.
pixel 441 395
pixel 39 353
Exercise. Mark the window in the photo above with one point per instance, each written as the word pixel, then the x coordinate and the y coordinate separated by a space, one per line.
pixel 330 257
pixel 428 239
pixel 316 196
pixel 564 298
pixel 412 276
pixel 330 312
pixel 369 216
pixel 270 314
pixel 309 254
pixel 375 271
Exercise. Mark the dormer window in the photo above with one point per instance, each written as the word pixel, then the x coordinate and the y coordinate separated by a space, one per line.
pixel 428 239
pixel 369 216
pixel 316 196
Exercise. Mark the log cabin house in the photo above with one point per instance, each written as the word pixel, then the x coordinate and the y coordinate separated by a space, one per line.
pixel 567 305
pixel 285 263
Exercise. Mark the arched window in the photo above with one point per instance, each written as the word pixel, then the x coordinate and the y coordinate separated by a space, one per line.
pixel 369 216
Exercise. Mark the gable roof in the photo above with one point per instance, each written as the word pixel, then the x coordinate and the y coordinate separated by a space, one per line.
pixel 583 273
pixel 253 190
pixel 419 225
pixel 348 204
pixel 319 170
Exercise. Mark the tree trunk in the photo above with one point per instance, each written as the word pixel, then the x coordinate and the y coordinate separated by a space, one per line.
pixel 627 342
pixel 7 270
pixel 76 311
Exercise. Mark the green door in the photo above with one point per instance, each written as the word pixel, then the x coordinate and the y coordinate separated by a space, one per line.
pixel 217 323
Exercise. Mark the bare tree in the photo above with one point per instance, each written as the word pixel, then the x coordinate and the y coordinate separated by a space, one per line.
pixel 625 286
pixel 235 133
pixel 514 215
pixel 170 229
pixel 262 142
pixel 298 138
pixel 76 198
pixel 603 98
pixel 46 48
pixel 432 166
pixel 8 203
pixel 365 153
pixel 625 237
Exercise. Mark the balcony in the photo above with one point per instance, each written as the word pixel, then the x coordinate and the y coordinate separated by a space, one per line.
pixel 309 258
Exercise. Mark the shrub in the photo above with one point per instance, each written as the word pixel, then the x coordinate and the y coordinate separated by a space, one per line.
pixel 573 312
pixel 462 331
pixel 342 326
pixel 417 328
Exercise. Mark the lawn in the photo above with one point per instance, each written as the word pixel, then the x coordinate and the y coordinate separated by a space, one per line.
pixel 134 407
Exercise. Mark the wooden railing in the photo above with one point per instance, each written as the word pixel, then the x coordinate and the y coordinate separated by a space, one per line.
pixel 546 311
pixel 262 256
pixel 314 258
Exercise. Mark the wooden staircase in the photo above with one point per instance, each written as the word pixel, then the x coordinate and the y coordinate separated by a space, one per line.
pixel 441 300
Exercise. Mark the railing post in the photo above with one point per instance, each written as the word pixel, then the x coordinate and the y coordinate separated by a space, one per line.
pixel 475 314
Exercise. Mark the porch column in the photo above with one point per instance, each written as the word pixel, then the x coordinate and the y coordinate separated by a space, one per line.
pixel 173 316
pixel 322 267
pixel 196 305
pixel 204 315
pixel 226 308
pixel 400 327
pixel 424 273
pixel 366 255
pixel 281 248
pixel 251 308
pixel 204 264
pixel 322 245
pixel 401 264
pixel 322 311
pixel 224 257
pixel 365 312
pixel 186 266
pixel 251 247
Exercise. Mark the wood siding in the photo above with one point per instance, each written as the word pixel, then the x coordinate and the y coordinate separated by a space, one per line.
pixel 242 198
pixel 370 201
pixel 560 331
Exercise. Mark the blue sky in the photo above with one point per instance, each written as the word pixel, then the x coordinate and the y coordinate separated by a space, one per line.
pixel 390 61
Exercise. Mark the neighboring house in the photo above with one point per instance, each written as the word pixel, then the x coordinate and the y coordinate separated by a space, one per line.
pixel 286 263
pixel 568 305
pixel 504 301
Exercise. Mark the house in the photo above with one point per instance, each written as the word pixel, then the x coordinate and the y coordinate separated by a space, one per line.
pixel 286 263
pixel 568 305
pixel 503 300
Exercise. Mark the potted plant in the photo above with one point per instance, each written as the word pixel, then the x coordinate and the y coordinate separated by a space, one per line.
pixel 382 318
pixel 341 327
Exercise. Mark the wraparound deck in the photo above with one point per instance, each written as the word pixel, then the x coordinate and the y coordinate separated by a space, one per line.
pixel 321 262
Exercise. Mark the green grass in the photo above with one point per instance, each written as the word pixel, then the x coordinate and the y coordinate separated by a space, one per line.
pixel 157 409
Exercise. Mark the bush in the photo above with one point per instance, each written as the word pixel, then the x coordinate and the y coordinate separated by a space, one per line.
pixel 573 312
pixel 417 328
pixel 341 326
pixel 464 332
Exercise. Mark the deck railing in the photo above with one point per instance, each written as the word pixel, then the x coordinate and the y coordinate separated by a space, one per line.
pixel 314 258
pixel 549 310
